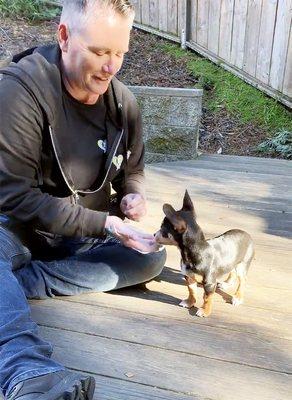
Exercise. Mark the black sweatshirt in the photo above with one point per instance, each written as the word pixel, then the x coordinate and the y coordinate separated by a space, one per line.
pixel 38 189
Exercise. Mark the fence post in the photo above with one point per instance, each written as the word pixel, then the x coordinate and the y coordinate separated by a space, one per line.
pixel 183 39
pixel 184 29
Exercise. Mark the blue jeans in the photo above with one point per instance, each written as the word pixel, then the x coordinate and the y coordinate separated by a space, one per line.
pixel 90 265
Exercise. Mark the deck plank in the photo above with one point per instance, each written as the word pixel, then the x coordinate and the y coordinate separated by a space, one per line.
pixel 166 369
pixel 171 353
pixel 121 389
pixel 207 341
pixel 162 301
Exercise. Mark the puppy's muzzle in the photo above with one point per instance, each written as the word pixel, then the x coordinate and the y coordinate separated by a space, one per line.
pixel 169 240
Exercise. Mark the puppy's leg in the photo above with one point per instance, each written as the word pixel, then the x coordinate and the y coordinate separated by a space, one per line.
pixel 209 290
pixel 237 299
pixel 192 288
pixel 229 282
pixel 241 270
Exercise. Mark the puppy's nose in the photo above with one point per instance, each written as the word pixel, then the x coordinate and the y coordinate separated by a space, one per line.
pixel 157 236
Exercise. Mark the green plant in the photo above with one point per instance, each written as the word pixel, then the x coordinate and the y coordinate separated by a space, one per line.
pixel 281 144
pixel 28 9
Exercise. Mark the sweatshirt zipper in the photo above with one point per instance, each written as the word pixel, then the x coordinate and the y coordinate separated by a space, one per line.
pixel 72 189
pixel 75 192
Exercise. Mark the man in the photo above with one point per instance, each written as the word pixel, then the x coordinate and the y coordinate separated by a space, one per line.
pixel 69 130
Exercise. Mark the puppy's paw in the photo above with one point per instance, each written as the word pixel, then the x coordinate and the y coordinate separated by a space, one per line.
pixel 186 304
pixel 200 313
pixel 236 301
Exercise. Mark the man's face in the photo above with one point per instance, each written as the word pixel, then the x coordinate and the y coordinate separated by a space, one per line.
pixel 93 54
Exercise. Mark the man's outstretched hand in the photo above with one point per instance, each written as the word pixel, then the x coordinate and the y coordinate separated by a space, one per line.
pixel 133 205
pixel 130 236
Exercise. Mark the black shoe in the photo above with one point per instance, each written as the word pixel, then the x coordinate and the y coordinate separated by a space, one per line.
pixel 63 385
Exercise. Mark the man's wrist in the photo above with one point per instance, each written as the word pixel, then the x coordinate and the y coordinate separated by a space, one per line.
pixel 111 224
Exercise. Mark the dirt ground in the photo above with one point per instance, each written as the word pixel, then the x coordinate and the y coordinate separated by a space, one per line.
pixel 146 65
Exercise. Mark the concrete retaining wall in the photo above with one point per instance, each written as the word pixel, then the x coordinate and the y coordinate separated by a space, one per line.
pixel 171 120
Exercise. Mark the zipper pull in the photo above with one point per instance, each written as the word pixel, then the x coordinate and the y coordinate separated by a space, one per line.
pixel 76 197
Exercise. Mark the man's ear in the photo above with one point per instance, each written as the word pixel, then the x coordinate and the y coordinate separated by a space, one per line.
pixel 187 203
pixel 178 223
pixel 63 37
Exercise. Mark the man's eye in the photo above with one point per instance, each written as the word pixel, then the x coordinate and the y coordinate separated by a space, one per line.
pixel 120 55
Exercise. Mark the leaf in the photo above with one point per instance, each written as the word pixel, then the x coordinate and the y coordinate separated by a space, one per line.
pixel 129 374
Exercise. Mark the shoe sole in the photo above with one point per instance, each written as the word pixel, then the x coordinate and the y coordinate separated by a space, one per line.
pixel 72 388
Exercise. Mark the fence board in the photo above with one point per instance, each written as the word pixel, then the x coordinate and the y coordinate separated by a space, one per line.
pixel 267 25
pixel 226 23
pixel 287 87
pixel 214 26
pixel 202 23
pixel 163 15
pixel 281 37
pixel 154 13
pixel 193 19
pixel 182 14
pixel 137 6
pixel 251 37
pixel 172 16
pixel 239 27
pixel 145 12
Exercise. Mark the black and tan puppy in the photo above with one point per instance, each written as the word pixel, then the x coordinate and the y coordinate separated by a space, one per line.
pixel 206 261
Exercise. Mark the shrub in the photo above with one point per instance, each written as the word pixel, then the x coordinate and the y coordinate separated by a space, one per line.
pixel 28 9
pixel 281 144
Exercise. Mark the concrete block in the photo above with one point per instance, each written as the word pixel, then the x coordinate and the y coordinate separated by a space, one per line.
pixel 171 119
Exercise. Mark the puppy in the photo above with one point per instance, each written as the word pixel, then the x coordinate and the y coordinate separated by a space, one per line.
pixel 205 261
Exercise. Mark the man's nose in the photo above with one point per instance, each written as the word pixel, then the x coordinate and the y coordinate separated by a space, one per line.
pixel 108 68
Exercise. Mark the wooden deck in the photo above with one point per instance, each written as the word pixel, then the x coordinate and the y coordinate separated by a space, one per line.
pixel 140 345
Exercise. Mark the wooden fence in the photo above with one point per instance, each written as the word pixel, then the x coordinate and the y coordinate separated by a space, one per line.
pixel 251 38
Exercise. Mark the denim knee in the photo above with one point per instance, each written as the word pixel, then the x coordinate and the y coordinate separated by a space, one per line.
pixel 12 250
pixel 154 263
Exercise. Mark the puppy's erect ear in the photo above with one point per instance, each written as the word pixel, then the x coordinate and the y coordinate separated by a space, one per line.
pixel 179 224
pixel 187 203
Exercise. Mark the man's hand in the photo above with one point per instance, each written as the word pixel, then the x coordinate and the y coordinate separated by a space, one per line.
pixel 130 236
pixel 133 205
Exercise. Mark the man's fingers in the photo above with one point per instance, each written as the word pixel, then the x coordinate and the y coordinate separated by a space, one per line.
pixel 135 202
pixel 145 246
pixel 132 237
pixel 145 242
pixel 132 201
pixel 147 236
pixel 137 234
pixel 136 213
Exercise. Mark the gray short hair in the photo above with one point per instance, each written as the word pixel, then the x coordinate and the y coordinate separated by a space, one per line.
pixel 122 7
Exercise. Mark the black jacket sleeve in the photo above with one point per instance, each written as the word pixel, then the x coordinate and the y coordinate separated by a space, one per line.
pixel 21 127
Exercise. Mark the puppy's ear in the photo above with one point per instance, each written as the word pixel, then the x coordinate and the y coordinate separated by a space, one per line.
pixel 178 223
pixel 168 210
pixel 187 203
